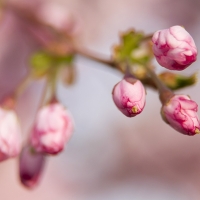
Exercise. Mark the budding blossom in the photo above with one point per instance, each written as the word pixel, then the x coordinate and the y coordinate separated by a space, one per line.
pixel 174 48
pixel 129 96
pixel 10 134
pixel 52 129
pixel 181 113
pixel 31 165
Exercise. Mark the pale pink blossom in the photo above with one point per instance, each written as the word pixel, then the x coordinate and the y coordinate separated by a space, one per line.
pixel 59 17
pixel 180 112
pixel 10 134
pixel 52 129
pixel 31 165
pixel 174 48
pixel 129 96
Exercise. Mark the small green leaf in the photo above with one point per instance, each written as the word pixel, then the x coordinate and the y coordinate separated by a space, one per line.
pixel 42 62
pixel 132 48
pixel 176 81
pixel 68 59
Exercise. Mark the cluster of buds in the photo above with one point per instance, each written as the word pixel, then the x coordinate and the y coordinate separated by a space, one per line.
pixel 51 130
pixel 174 49
pixel 53 127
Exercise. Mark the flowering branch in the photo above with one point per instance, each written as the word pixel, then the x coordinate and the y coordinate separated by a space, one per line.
pixel 173 48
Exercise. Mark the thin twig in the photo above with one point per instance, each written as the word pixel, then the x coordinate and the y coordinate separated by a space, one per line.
pixel 95 57
pixel 164 91
pixel 148 37
pixel 22 86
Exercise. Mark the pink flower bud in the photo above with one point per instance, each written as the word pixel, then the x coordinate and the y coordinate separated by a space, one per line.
pixel 181 113
pixel 129 96
pixel 10 134
pixel 31 165
pixel 174 48
pixel 53 127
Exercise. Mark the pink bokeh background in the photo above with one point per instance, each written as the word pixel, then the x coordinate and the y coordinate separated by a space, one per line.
pixel 110 156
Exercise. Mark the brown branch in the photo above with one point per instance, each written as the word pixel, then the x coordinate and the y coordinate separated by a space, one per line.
pixel 62 37
pixel 86 53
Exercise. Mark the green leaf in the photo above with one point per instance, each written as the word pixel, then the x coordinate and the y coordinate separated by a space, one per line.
pixel 132 48
pixel 176 81
pixel 42 62
pixel 68 59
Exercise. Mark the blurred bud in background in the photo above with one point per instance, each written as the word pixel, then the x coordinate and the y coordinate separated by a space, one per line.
pixel 31 165
pixel 52 129
pixel 10 134
pixel 58 17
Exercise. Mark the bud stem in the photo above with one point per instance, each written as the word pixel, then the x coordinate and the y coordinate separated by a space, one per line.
pixel 22 86
pixel 52 81
pixel 44 94
pixel 128 71
pixel 165 92
pixel 148 37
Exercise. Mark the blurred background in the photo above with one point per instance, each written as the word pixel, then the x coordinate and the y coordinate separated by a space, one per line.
pixel 109 156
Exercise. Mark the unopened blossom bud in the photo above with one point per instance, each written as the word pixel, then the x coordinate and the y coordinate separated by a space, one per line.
pixel 174 48
pixel 52 129
pixel 10 134
pixel 180 112
pixel 31 165
pixel 129 96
